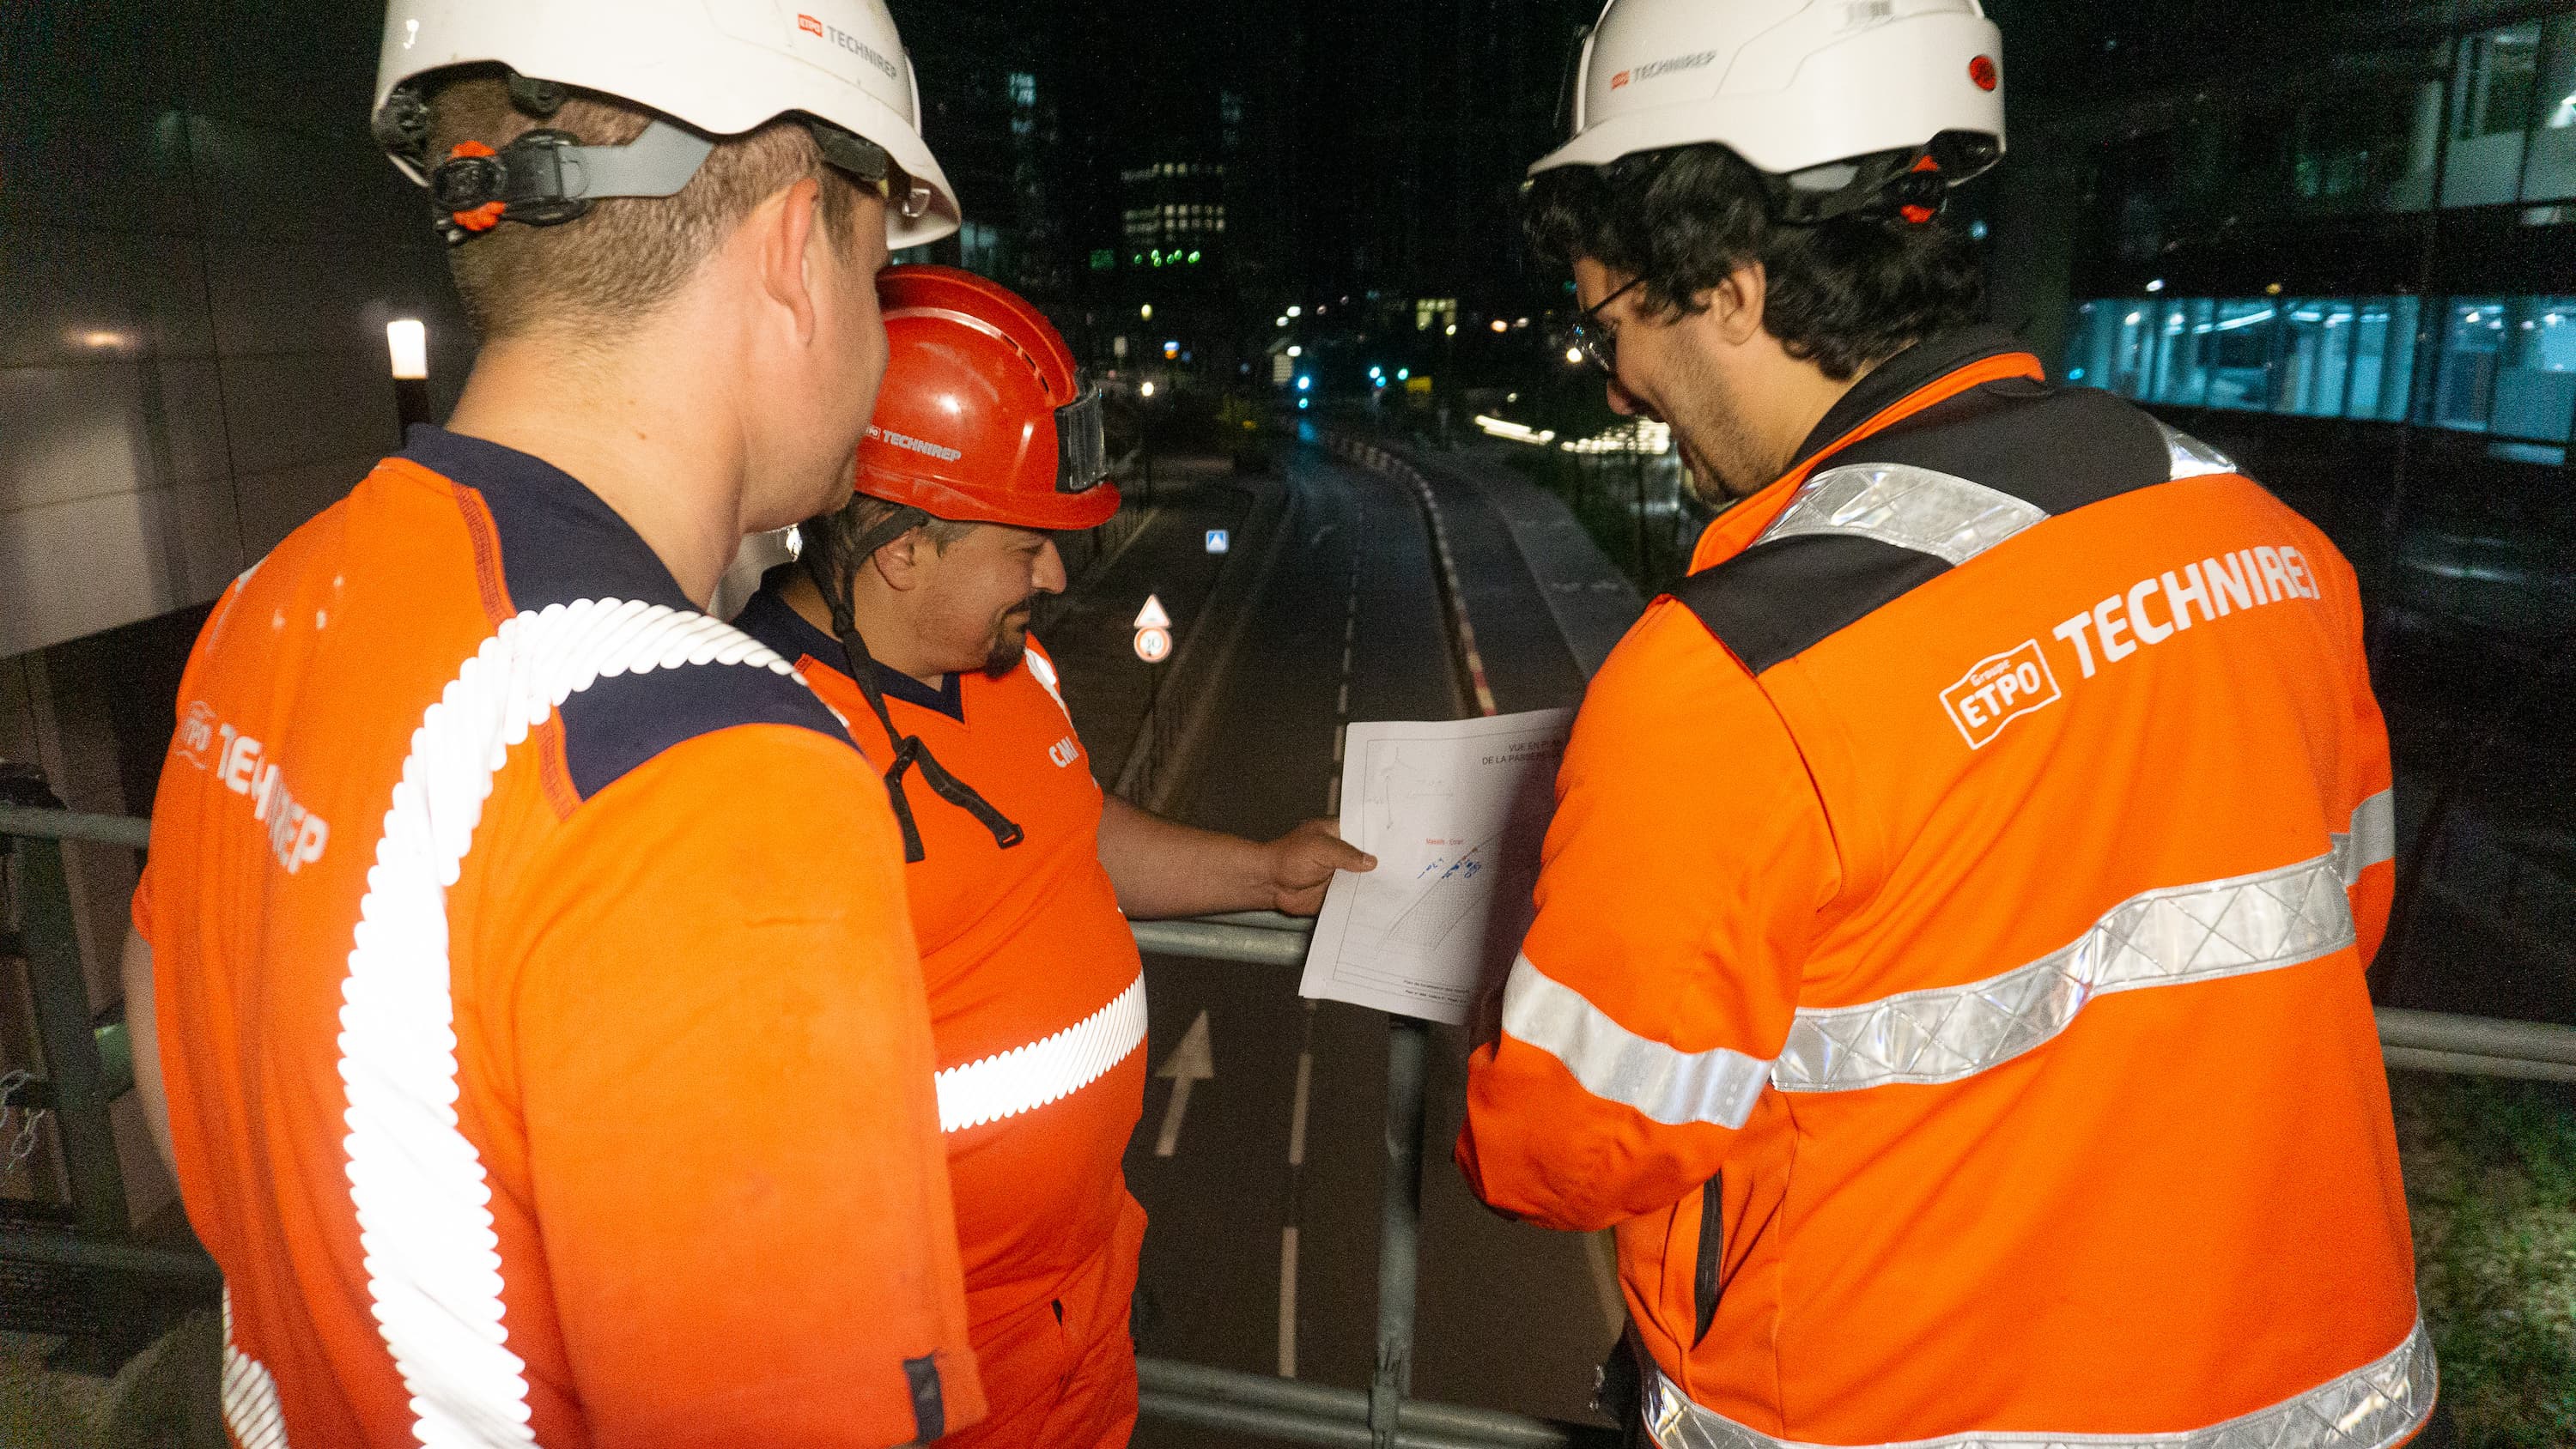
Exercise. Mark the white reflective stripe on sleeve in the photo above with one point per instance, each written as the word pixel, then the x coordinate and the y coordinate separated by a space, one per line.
pixel 1044 669
pixel 2372 838
pixel 2375 1406
pixel 1663 1083
pixel 2189 457
pixel 1026 1078
pixel 433 1262
pixel 251 1410
pixel 1940 514
pixel 2167 937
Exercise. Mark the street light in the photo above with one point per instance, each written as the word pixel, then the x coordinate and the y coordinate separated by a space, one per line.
pixel 1146 312
pixel 1145 390
pixel 1293 311
pixel 1574 354
pixel 407 345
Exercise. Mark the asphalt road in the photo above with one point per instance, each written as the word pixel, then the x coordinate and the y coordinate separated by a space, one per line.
pixel 1262 1254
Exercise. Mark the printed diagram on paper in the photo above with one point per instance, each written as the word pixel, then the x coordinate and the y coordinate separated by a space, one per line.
pixel 1454 811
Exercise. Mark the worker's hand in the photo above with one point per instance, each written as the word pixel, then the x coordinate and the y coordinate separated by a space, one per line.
pixel 1302 863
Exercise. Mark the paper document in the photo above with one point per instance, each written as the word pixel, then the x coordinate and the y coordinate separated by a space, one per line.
pixel 1454 811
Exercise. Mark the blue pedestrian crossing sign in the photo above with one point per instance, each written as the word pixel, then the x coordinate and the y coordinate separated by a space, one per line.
pixel 1219 540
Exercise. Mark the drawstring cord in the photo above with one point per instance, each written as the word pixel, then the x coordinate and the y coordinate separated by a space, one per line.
pixel 909 750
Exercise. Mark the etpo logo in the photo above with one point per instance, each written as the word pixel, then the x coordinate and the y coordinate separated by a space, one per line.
pixel 2001 688
pixel 196 734
pixel 809 25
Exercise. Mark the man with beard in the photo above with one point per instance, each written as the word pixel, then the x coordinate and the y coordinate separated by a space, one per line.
pixel 908 610
pixel 1948 968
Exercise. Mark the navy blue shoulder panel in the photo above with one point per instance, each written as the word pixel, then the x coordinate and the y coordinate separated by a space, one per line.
pixel 561 543
pixel 619 723
pixel 1778 600
pixel 774 622
pixel 2057 449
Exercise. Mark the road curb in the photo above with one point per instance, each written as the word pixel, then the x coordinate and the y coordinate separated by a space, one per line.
pixel 1462 630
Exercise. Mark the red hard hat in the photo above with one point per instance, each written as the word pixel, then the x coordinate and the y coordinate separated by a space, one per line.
pixel 982 417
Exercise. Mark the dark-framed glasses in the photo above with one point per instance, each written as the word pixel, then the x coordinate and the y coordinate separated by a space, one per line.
pixel 1595 338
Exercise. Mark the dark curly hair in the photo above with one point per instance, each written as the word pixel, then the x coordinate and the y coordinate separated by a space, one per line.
pixel 1845 294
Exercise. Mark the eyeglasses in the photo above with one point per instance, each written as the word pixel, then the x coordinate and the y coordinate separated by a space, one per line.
pixel 1596 339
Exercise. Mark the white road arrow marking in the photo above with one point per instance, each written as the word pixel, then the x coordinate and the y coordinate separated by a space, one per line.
pixel 1152 616
pixel 1191 1061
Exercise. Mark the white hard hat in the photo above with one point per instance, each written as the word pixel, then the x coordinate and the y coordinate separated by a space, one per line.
pixel 722 67
pixel 1789 85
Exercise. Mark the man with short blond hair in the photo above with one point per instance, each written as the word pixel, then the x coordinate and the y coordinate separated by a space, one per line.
pixel 545 1049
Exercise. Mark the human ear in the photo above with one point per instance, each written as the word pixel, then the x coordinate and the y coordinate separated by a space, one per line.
pixel 785 228
pixel 1734 305
pixel 899 563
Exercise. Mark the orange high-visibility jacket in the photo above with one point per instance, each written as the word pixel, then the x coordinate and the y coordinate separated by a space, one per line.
pixel 1947 975
pixel 1037 994
pixel 547 1056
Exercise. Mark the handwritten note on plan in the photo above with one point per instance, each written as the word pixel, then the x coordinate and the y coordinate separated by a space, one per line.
pixel 1454 811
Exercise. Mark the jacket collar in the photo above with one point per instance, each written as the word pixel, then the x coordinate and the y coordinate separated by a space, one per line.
pixel 1922 376
pixel 769 618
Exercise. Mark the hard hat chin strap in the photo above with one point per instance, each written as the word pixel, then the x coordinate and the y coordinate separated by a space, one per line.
pixel 1912 183
pixel 838 581
pixel 547 177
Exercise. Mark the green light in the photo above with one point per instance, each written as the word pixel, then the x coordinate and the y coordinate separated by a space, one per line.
pixel 1194 257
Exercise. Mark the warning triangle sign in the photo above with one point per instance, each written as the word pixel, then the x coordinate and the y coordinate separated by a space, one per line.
pixel 1152 616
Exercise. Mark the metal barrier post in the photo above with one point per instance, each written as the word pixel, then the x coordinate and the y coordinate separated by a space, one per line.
pixel 1399 1223
pixel 61 995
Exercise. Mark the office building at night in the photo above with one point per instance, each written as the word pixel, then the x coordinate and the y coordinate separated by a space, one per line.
pixel 2355 275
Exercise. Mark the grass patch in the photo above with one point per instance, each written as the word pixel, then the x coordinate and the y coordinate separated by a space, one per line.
pixel 2491 1186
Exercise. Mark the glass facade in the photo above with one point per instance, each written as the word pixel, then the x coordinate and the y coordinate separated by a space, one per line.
pixel 2326 357
pixel 2505 365
pixel 2371 138
pixel 2509 367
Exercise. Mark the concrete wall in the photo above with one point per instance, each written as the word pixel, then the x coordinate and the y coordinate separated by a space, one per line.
pixel 199 250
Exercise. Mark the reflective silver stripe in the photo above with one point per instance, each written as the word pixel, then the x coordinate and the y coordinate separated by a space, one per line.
pixel 1936 513
pixel 417 1182
pixel 250 1404
pixel 1026 1078
pixel 2372 838
pixel 2372 1407
pixel 1666 1084
pixel 2192 458
pixel 2166 937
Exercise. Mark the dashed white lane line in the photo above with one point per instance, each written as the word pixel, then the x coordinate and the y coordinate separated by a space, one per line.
pixel 1297 1116
pixel 1306 1047
pixel 1288 1301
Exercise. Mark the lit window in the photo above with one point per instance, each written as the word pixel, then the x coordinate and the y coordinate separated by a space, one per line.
pixel 2535 390
pixel 2238 349
pixel 2464 390
pixel 2316 358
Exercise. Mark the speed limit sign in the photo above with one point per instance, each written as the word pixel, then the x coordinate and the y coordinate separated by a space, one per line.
pixel 1153 644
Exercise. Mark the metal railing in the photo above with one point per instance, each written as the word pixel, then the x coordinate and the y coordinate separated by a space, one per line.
pixel 81 1082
